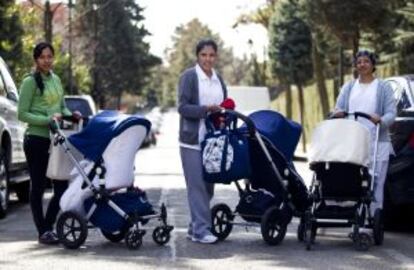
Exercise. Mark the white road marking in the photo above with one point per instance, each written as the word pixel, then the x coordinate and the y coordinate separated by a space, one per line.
pixel 171 221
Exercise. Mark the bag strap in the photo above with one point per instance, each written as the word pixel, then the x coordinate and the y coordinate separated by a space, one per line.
pixel 209 123
pixel 224 155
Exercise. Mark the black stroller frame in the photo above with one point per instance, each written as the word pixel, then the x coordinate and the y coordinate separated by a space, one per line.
pixel 72 228
pixel 273 223
pixel 357 217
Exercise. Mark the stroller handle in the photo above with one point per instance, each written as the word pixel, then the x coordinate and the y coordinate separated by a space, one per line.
pixel 54 124
pixel 251 128
pixel 355 114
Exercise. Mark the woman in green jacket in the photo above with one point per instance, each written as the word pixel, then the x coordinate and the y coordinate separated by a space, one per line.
pixel 41 100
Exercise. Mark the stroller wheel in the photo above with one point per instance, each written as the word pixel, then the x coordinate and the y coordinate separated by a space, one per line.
pixel 161 235
pixel 362 241
pixel 72 230
pixel 115 237
pixel 133 238
pixel 378 227
pixel 272 227
pixel 222 217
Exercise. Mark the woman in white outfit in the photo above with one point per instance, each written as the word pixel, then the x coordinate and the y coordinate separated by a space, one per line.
pixel 375 97
pixel 200 91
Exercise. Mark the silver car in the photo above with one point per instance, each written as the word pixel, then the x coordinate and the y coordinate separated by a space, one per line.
pixel 13 166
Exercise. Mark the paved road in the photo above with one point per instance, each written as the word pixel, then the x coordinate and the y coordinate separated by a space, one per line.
pixel 159 173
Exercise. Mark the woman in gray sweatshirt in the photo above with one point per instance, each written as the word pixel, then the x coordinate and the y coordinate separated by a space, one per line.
pixel 200 91
pixel 375 97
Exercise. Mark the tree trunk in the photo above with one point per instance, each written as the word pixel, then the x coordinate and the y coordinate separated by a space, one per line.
pixel 288 101
pixel 340 80
pixel 302 114
pixel 320 77
pixel 48 25
pixel 355 48
pixel 336 86
pixel 118 100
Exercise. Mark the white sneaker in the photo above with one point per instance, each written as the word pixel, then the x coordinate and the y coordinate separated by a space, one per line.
pixel 206 239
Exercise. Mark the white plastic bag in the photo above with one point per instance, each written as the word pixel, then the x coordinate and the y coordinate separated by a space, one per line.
pixel 60 165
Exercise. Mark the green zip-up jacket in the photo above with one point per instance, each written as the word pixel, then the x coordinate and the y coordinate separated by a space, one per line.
pixel 36 109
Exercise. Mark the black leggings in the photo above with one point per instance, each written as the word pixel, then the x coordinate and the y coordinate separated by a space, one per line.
pixel 36 149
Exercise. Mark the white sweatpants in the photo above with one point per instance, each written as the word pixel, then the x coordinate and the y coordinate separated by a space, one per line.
pixel 382 167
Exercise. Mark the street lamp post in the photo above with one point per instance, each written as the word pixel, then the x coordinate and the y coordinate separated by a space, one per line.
pixel 70 6
pixel 95 88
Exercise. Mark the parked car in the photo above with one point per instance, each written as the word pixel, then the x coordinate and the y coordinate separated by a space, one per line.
pixel 13 166
pixel 82 103
pixel 399 186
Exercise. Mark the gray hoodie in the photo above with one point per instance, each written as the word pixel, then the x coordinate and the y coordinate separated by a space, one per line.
pixel 189 106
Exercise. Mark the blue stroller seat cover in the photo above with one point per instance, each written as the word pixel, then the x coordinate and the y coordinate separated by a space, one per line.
pixel 101 129
pixel 283 133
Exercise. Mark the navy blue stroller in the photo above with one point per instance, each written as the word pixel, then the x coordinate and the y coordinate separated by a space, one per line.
pixel 273 191
pixel 103 190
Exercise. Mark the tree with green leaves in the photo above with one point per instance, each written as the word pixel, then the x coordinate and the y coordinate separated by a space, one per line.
pixel 394 38
pixel 11 32
pixel 262 15
pixel 119 57
pixel 290 50
pixel 32 24
pixel 348 19
pixel 404 40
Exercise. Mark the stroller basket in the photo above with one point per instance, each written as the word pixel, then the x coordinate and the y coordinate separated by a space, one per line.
pixel 108 220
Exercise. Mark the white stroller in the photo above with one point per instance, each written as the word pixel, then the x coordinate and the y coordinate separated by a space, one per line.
pixel 342 187
pixel 103 192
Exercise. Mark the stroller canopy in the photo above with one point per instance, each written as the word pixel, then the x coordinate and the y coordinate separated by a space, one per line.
pixel 284 134
pixel 101 129
pixel 340 140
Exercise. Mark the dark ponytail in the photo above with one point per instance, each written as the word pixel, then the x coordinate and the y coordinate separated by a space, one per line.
pixel 37 51
pixel 39 81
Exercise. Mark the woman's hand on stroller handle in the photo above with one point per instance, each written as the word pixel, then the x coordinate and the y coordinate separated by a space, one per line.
pixel 54 124
pixel 77 115
pixel 214 108
pixel 374 118
pixel 57 120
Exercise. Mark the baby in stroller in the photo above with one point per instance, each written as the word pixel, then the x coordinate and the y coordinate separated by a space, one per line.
pixel 273 190
pixel 342 185
pixel 102 190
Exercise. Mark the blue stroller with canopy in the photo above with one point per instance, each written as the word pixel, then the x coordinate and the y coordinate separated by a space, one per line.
pixel 272 191
pixel 103 190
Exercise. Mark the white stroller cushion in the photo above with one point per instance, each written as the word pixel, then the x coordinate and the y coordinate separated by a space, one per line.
pixel 119 157
pixel 340 140
pixel 74 196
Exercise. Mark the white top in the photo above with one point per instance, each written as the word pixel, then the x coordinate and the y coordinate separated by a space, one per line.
pixel 363 98
pixel 210 92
